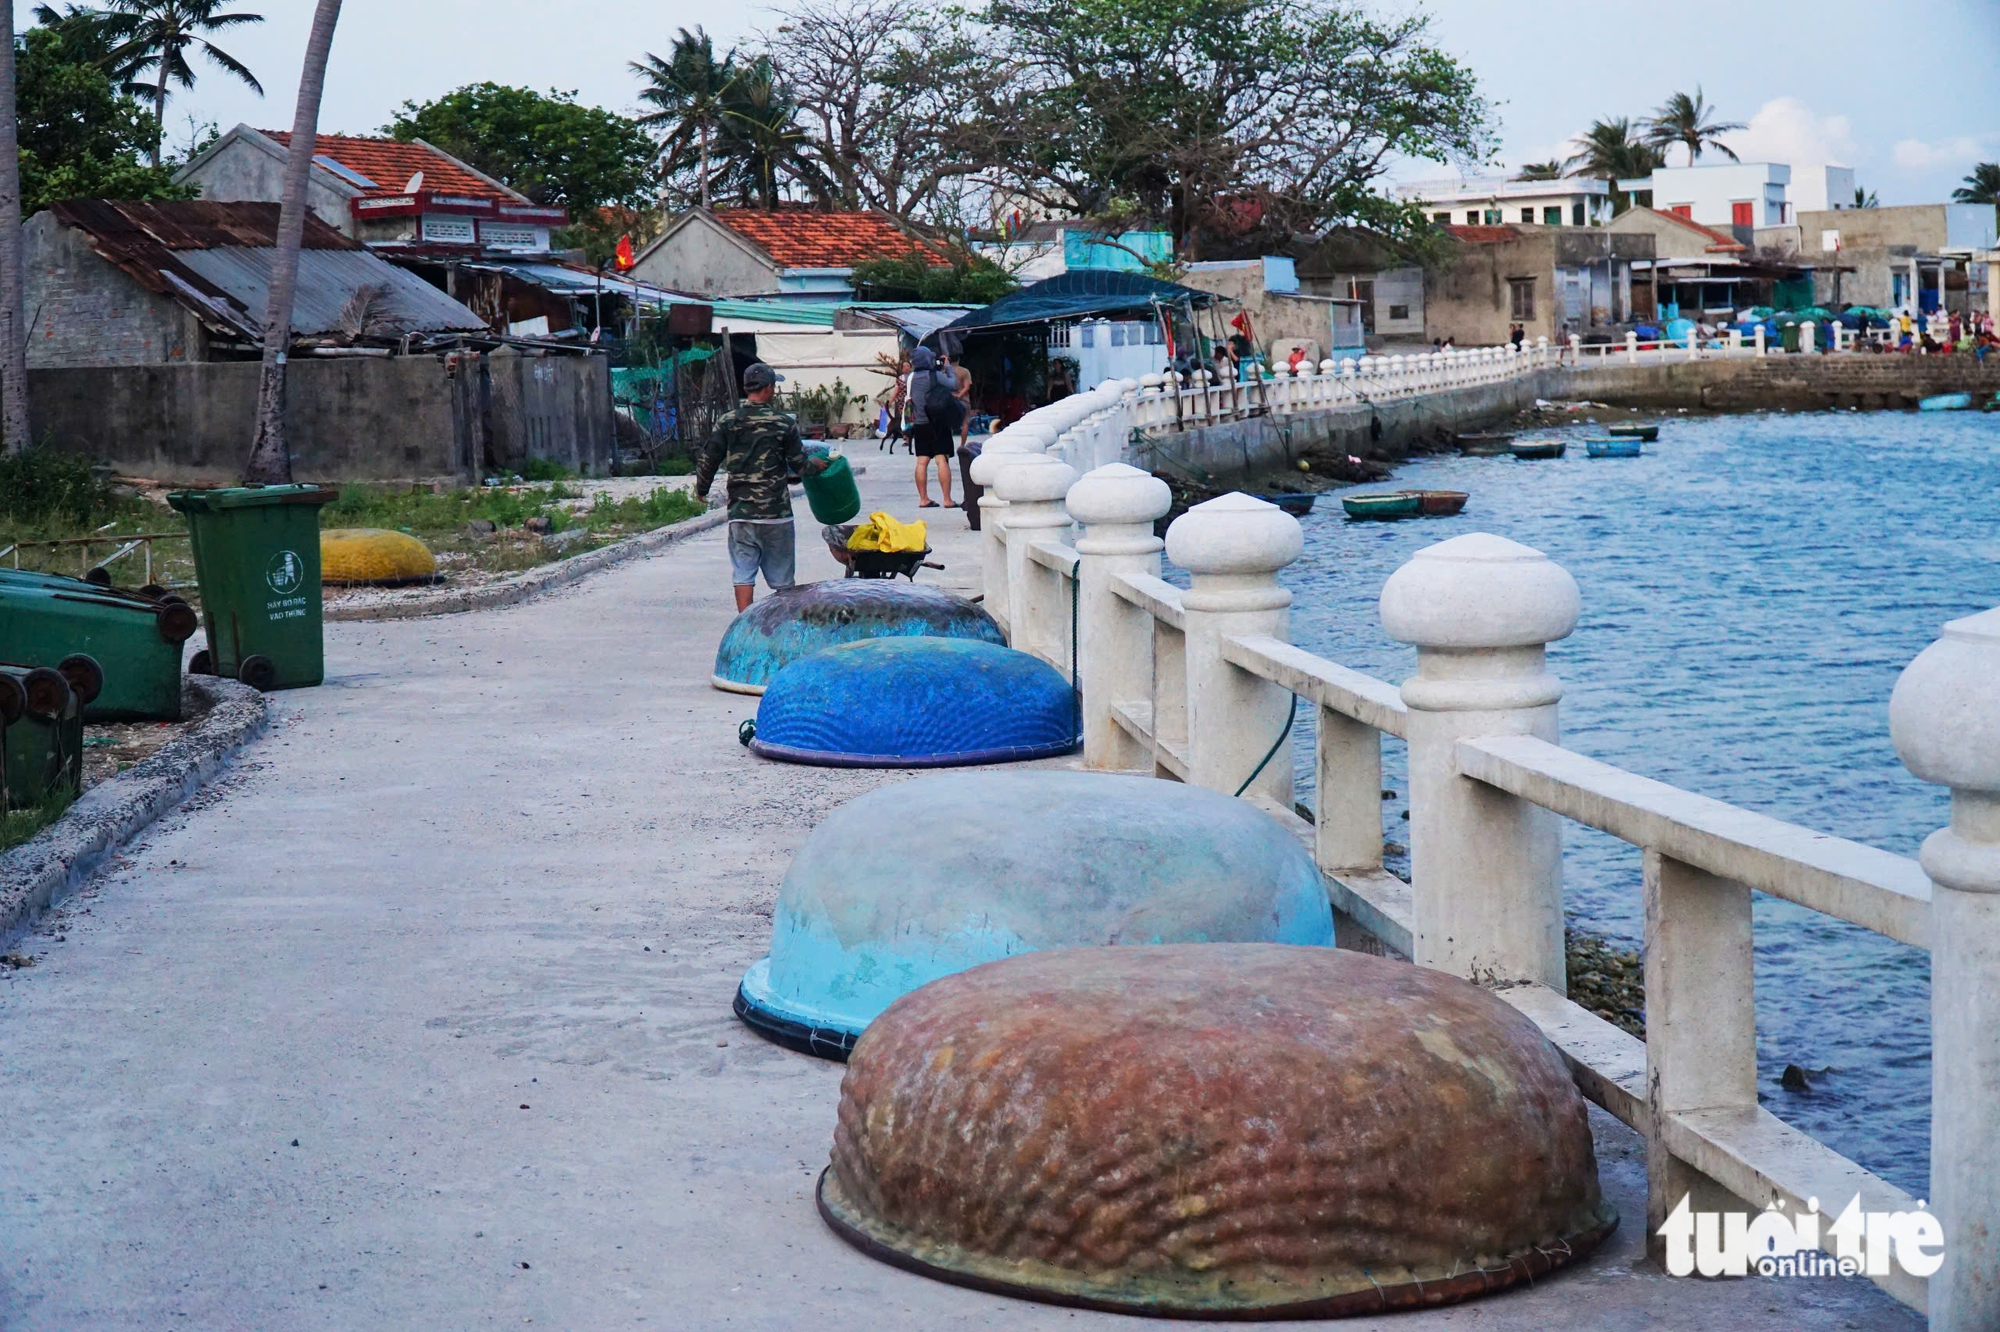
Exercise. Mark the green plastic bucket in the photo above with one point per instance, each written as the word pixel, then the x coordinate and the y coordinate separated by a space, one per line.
pixel 832 494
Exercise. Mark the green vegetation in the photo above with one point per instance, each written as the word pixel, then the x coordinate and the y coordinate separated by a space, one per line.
pixel 658 508
pixel 964 278
pixel 549 147
pixel 50 496
pixel 81 137
pixel 20 825
pixel 422 511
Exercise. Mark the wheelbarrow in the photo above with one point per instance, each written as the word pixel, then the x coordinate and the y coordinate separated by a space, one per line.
pixel 875 563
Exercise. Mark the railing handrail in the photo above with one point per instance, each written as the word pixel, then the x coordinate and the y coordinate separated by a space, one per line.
pixel 1155 596
pixel 1863 885
pixel 1351 693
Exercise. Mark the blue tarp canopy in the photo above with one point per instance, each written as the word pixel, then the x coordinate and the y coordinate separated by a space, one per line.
pixel 1086 294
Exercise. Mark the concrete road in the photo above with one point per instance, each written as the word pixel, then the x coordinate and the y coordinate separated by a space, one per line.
pixel 420 1019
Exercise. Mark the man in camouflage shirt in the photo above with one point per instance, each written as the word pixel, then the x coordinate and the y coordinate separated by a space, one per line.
pixel 759 447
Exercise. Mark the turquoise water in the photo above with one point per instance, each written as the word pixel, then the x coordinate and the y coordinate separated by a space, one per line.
pixel 1752 586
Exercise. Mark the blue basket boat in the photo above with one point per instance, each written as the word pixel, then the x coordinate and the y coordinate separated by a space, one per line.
pixel 916 703
pixel 1629 447
pixel 922 879
pixel 796 622
pixel 1946 402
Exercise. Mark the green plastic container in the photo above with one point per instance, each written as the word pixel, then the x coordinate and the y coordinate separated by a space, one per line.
pixel 832 494
pixel 45 619
pixel 41 747
pixel 256 556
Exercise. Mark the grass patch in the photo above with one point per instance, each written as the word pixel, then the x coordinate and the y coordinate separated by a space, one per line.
pixel 21 825
pixel 659 508
pixel 46 495
pixel 421 511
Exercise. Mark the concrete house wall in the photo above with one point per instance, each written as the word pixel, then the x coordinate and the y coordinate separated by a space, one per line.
pixel 704 258
pixel 1883 246
pixel 84 311
pixel 1581 278
pixel 247 170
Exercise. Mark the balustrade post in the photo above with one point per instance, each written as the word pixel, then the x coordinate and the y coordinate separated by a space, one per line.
pixel 1808 337
pixel 1037 619
pixel 1001 451
pixel 1486 866
pixel 1631 346
pixel 1576 349
pixel 1760 338
pixel 1117 506
pixel 1234 546
pixel 1701 1025
pixel 1945 719
pixel 1542 352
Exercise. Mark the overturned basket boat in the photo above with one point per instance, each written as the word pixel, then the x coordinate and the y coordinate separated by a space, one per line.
pixel 1648 433
pixel 1536 450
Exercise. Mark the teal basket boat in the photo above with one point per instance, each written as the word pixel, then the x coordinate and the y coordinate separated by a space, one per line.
pixel 1614 448
pixel 1399 504
pixel 1648 433
pixel 1946 402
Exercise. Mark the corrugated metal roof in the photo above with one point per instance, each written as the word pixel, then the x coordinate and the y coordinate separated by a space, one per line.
pixel 568 281
pixel 216 259
pixel 329 284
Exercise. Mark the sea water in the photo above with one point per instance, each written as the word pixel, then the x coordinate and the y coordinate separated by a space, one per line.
pixel 1752 586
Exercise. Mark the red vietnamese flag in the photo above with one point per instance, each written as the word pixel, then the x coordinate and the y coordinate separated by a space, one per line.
pixel 625 259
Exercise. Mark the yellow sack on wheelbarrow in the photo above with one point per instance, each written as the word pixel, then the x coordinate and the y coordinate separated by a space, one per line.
pixel 884 533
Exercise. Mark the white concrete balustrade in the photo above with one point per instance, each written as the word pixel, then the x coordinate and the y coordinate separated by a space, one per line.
pixel 1198 685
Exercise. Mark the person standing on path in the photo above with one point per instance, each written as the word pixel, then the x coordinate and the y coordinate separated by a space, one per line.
pixel 759 447
pixel 933 395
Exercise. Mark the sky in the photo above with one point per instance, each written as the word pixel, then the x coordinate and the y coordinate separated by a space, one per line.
pixel 1817 81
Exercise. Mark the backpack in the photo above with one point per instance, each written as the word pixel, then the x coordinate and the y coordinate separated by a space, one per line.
pixel 942 407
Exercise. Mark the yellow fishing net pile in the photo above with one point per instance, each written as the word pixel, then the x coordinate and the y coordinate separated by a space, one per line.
pixel 889 535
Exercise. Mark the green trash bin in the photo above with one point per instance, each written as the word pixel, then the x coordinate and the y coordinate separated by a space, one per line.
pixel 46 618
pixel 256 556
pixel 41 736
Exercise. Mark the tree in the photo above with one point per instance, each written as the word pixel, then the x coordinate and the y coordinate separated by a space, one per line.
pixel 965 278
pixel 763 147
pixel 885 87
pixel 80 137
pixel 1607 151
pixel 550 148
pixel 1865 198
pixel 270 452
pixel 1982 186
pixel 1217 119
pixel 13 278
pixel 686 91
pixel 1687 121
pixel 151 42
pixel 1552 170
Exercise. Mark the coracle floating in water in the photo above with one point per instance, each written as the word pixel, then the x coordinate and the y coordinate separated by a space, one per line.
pixel 1223 1131
pixel 919 880
pixel 796 622
pixel 916 703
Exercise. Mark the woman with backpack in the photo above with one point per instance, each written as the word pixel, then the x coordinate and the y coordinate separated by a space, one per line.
pixel 935 409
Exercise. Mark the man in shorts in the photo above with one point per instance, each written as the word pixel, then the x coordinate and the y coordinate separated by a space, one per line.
pixel 932 439
pixel 759 447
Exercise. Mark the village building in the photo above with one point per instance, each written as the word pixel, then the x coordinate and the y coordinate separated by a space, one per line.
pixel 1554 282
pixel 1742 198
pixel 1573 201
pixel 407 196
pixel 1357 265
pixel 1042 249
pixel 1919 258
pixel 1281 315
pixel 114 283
pixel 790 254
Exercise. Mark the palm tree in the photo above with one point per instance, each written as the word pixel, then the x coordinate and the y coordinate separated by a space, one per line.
pixel 688 89
pixel 1686 120
pixel 1982 186
pixel 1608 151
pixel 1540 171
pixel 13 303
pixel 159 36
pixel 761 138
pixel 1865 198
pixel 270 452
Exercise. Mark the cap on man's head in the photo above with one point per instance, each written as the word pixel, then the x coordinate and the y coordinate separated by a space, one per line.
pixel 761 376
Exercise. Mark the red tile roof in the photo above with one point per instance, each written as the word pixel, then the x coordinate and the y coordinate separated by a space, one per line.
pixel 391 163
pixel 1717 240
pixel 1484 235
pixel 795 238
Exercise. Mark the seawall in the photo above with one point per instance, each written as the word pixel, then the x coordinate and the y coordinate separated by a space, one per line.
pixel 1801 383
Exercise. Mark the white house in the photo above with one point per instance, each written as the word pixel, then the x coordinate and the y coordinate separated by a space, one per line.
pixel 1726 194
pixel 1491 201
